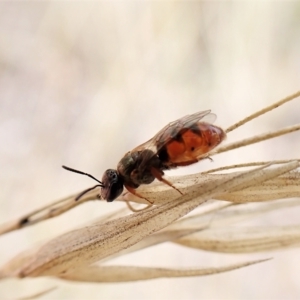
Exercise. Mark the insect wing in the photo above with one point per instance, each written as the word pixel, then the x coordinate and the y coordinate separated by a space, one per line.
pixel 170 131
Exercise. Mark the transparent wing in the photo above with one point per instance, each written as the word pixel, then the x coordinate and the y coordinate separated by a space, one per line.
pixel 165 135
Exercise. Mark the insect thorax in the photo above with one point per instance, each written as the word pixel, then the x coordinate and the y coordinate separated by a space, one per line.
pixel 135 167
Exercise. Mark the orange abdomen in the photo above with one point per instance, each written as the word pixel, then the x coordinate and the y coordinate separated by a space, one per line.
pixel 192 143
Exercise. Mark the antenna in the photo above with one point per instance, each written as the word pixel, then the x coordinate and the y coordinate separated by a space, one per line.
pixel 82 173
pixel 85 191
pixel 89 175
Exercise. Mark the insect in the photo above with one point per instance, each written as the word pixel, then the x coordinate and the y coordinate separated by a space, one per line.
pixel 180 143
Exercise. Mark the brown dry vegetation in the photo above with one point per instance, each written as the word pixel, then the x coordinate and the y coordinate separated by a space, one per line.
pixel 83 83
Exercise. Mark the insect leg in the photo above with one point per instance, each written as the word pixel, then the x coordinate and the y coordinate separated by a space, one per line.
pixel 133 192
pixel 186 163
pixel 192 161
pixel 159 176
pixel 137 210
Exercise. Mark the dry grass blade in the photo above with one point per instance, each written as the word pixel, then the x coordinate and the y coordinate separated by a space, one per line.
pixel 281 187
pixel 154 239
pixel 263 111
pixel 285 186
pixel 170 233
pixel 161 193
pixel 281 236
pixel 243 240
pixel 61 206
pixel 200 221
pixel 127 273
pixel 46 212
pixel 90 244
pixel 255 139
pixel 251 164
pixel 228 215
pixel 19 260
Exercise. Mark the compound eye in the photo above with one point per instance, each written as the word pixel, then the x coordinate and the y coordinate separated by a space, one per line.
pixel 112 185
pixel 112 174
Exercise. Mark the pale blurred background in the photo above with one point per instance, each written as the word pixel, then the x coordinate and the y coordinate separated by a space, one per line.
pixel 82 83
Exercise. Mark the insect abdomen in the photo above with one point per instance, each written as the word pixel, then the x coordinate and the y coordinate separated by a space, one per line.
pixel 192 143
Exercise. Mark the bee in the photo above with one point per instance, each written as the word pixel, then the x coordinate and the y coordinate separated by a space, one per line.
pixel 180 143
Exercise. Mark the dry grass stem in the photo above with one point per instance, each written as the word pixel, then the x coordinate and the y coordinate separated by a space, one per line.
pixel 263 111
pixel 78 255
pixel 252 164
pixel 158 193
pixel 255 139
pixel 243 240
pixel 157 238
pixel 88 245
pixel 228 215
pixel 215 217
pixel 46 212
pixel 284 186
pixel 59 207
pixel 127 273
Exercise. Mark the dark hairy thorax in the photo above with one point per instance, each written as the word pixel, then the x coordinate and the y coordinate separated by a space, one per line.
pixel 135 167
